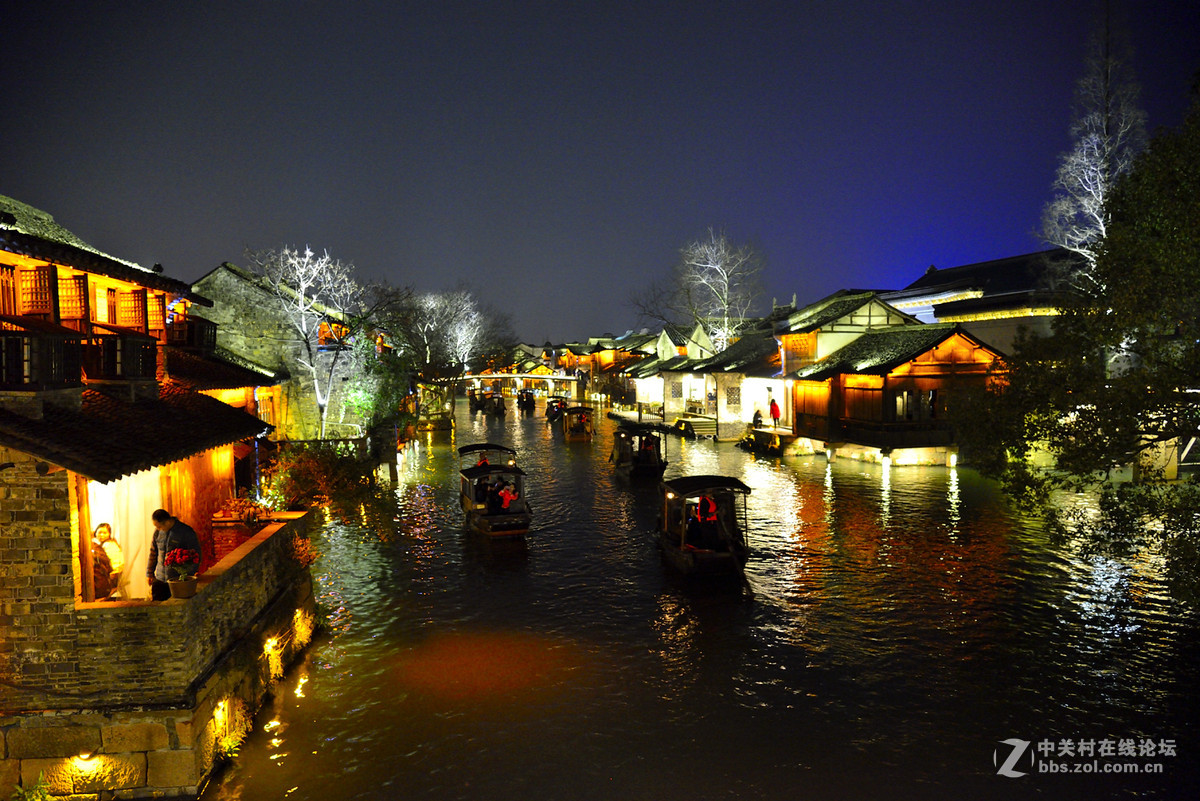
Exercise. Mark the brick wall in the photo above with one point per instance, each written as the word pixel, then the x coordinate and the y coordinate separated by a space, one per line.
pixel 37 578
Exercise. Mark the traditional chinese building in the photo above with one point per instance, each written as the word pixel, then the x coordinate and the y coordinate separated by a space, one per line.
pixel 993 299
pixel 101 422
pixel 890 393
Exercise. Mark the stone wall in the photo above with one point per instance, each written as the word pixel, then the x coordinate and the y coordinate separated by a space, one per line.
pixel 136 698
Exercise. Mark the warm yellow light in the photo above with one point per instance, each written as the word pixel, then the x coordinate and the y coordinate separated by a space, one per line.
pixel 302 625
pixel 274 657
pixel 952 460
pixel 86 763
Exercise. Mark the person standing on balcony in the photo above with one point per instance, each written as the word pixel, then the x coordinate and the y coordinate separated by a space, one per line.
pixel 169 533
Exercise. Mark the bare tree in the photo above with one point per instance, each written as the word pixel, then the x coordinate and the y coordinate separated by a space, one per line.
pixel 1109 130
pixel 324 308
pixel 714 284
pixel 444 330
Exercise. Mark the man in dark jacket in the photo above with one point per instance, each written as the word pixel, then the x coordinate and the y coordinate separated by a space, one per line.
pixel 169 533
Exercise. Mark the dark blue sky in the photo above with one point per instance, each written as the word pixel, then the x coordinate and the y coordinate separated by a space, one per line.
pixel 555 156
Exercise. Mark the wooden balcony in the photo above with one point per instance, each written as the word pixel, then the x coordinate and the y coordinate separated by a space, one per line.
pixel 192 333
pixel 114 354
pixel 38 355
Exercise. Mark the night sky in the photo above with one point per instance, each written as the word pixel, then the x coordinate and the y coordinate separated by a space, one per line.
pixel 554 156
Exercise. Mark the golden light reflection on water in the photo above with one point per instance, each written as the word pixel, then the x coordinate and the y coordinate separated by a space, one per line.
pixel 478 666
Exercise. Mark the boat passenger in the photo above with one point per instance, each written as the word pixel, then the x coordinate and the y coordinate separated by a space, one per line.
pixel 507 494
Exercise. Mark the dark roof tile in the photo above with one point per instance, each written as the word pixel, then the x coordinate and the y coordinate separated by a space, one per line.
pixel 110 437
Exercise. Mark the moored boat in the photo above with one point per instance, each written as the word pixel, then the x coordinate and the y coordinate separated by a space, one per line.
pixel 702 525
pixel 637 451
pixel 525 400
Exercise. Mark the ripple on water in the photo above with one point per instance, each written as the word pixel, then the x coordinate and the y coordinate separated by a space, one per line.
pixel 902 624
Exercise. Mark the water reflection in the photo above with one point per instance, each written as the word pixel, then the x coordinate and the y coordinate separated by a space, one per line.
pixel 904 621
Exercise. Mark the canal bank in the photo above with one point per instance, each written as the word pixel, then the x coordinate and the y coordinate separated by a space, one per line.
pixel 905 624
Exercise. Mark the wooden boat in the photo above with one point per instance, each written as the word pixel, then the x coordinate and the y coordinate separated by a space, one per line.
pixel 637 451
pixel 578 423
pixel 710 544
pixel 487 472
pixel 482 453
pixel 555 405
pixel 493 403
pixel 525 400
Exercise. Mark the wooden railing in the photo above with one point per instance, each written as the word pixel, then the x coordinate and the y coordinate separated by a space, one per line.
pixel 35 361
pixel 114 355
pixel 192 332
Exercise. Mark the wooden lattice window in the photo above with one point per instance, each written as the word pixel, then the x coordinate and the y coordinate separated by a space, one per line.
pixel 157 309
pixel 73 297
pixel 676 390
pixel 8 290
pixel 131 310
pixel 36 291
pixel 733 398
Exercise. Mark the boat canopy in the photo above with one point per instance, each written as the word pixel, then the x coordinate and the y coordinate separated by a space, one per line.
pixel 483 446
pixel 479 471
pixel 686 486
pixel 639 429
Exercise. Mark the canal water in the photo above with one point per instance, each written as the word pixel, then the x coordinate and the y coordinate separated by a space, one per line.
pixel 903 625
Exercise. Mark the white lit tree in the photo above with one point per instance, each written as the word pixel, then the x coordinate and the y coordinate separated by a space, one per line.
pixel 324 308
pixel 714 284
pixel 1108 132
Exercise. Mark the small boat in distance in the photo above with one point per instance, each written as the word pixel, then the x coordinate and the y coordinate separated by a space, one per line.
pixel 492 491
pixel 554 407
pixel 637 451
pixel 702 525
pixel 577 423
pixel 525 400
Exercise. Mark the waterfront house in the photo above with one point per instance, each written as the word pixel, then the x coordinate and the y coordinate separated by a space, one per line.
pixel 100 421
pixel 889 393
pixel 664 383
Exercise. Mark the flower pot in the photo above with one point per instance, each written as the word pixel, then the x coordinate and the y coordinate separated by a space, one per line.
pixel 183 588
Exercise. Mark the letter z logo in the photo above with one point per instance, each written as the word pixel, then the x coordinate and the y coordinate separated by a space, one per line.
pixel 1018 748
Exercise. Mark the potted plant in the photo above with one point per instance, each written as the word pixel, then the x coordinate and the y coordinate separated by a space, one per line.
pixel 182 564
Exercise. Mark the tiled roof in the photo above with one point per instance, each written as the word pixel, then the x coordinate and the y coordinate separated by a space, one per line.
pixel 756 352
pixel 825 311
pixel 1025 273
pixel 878 352
pixel 110 437
pixel 34 233
pixel 198 372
